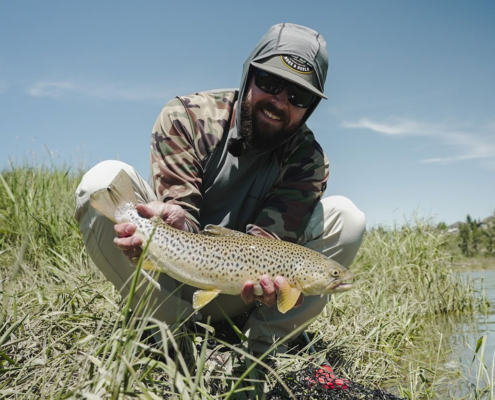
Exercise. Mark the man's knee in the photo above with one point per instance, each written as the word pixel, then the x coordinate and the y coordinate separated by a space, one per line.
pixel 100 176
pixel 336 229
pixel 342 214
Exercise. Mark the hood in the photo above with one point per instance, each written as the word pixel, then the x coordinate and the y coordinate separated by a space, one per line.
pixel 290 39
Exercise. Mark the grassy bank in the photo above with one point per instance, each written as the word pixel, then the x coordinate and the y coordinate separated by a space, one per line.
pixel 65 332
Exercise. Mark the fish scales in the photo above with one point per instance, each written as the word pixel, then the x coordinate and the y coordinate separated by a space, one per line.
pixel 220 260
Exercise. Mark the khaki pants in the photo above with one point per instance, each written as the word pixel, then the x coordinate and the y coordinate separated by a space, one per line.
pixel 335 229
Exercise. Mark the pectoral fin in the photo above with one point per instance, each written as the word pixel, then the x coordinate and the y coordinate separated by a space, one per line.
pixel 287 297
pixel 203 297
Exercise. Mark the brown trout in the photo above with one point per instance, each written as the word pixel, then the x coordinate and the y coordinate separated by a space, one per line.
pixel 221 260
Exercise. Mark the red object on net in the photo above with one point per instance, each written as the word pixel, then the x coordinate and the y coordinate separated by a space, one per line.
pixel 327 379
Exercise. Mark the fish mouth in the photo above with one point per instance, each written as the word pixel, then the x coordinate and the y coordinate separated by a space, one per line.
pixel 337 287
pixel 343 286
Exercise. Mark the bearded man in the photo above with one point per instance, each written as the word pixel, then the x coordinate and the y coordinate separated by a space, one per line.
pixel 243 159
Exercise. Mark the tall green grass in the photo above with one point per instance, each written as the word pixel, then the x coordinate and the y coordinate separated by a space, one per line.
pixel 66 333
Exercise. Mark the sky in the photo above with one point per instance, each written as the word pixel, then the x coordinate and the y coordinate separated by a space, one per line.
pixel 408 127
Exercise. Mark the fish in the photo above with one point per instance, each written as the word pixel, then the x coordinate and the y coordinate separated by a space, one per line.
pixel 220 260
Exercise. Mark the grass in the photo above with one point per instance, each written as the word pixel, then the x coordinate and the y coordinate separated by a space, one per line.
pixel 66 333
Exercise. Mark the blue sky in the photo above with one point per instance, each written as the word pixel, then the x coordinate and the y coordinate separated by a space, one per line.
pixel 409 126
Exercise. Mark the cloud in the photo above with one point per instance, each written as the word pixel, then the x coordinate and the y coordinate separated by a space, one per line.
pixel 51 89
pixel 61 88
pixel 402 127
pixel 438 160
pixel 468 141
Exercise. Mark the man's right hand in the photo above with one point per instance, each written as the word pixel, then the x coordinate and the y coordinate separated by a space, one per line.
pixel 172 214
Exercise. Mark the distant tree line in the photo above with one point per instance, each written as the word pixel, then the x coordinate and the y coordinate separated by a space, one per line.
pixel 476 238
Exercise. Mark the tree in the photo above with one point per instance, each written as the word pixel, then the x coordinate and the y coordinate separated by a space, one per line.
pixel 442 226
pixel 465 237
pixel 476 236
pixel 489 235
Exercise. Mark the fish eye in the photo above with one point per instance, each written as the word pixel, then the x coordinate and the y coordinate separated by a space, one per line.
pixel 335 272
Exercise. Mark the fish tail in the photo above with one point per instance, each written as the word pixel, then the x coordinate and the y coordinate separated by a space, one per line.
pixel 108 200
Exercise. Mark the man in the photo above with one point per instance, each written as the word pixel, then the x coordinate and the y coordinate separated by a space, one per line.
pixel 243 159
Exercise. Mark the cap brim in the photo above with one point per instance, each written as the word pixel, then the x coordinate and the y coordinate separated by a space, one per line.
pixel 290 77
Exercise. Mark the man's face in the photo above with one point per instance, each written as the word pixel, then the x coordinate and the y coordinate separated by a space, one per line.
pixel 268 119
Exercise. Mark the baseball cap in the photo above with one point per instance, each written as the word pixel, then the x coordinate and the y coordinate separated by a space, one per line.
pixel 292 68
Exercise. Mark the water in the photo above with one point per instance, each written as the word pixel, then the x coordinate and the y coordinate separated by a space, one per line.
pixel 485 323
pixel 483 326
pixel 443 360
pixel 461 336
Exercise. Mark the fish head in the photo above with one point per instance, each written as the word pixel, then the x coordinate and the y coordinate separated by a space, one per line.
pixel 339 281
pixel 329 277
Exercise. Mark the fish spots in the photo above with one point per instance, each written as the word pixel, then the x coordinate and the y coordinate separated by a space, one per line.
pixel 230 260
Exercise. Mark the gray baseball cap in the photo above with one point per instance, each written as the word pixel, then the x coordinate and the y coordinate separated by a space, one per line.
pixel 293 68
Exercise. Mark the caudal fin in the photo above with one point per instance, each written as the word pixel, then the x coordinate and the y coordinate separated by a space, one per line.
pixel 119 192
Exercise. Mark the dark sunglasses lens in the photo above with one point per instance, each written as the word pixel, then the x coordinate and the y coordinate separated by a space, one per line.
pixel 268 82
pixel 272 84
pixel 300 97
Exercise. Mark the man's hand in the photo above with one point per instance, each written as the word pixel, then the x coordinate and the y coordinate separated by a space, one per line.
pixel 172 214
pixel 270 290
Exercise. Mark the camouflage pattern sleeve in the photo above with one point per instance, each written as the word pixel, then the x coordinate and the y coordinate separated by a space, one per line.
pixel 175 167
pixel 187 130
pixel 288 207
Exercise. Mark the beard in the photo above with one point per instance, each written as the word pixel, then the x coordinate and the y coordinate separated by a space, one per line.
pixel 259 134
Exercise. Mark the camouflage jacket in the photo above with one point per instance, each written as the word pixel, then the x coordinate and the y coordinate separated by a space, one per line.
pixel 190 128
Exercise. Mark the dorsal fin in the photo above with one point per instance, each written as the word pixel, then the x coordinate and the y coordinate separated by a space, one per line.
pixel 215 230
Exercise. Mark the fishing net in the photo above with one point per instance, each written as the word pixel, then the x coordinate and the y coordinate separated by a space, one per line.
pixel 309 382
pixel 321 383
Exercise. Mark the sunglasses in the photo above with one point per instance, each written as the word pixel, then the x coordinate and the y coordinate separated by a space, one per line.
pixel 273 85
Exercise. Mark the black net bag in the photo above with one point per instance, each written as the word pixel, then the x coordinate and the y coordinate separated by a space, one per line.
pixel 321 383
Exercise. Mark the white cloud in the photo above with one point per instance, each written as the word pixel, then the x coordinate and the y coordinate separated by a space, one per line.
pixel 51 89
pixel 60 88
pixel 438 160
pixel 469 142
pixel 394 127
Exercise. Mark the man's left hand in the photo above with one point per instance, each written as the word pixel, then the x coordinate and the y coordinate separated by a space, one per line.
pixel 270 290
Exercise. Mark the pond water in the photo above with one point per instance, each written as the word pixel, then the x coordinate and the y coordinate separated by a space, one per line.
pixel 469 333
pixel 484 323
pixel 460 337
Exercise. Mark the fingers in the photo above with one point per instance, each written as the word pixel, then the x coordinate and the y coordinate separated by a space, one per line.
pixel 269 297
pixel 270 290
pixel 172 214
pixel 127 243
pixel 247 292
pixel 146 211
pixel 175 215
pixel 125 229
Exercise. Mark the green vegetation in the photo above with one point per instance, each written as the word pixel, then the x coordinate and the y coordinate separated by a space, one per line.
pixel 473 244
pixel 66 333
pixel 477 239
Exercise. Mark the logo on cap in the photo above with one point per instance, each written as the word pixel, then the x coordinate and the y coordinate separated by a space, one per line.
pixel 297 64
